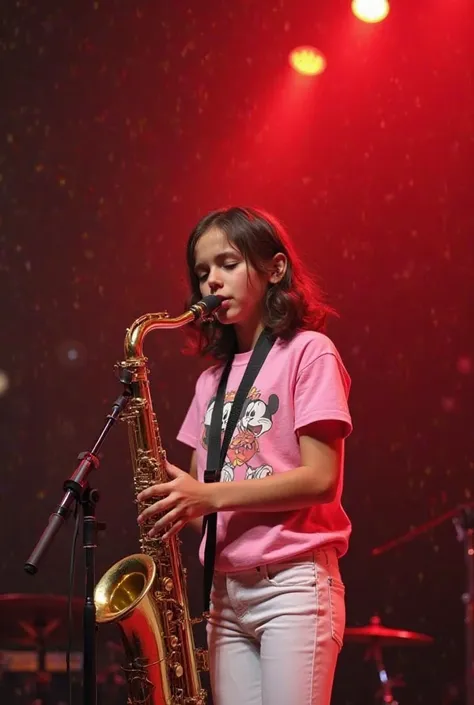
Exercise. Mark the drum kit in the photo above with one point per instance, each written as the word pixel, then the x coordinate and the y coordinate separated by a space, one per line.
pixel 34 633
pixel 34 639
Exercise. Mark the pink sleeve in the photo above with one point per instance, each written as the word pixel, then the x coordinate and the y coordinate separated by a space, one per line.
pixel 190 428
pixel 321 392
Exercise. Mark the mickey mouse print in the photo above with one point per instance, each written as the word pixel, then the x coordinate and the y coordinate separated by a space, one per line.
pixel 255 420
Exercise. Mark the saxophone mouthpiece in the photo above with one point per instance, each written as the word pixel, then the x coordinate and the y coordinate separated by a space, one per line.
pixel 207 306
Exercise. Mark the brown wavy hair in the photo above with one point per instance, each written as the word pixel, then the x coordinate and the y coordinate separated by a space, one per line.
pixel 294 303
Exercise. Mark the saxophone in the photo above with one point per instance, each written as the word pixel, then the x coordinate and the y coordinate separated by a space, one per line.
pixel 145 593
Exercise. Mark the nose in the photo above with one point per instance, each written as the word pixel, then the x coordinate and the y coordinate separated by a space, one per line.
pixel 214 281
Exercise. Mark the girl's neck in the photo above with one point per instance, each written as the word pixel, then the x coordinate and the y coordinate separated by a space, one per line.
pixel 247 336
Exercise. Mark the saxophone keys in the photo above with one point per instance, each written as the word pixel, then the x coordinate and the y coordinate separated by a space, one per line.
pixel 177 669
pixel 167 585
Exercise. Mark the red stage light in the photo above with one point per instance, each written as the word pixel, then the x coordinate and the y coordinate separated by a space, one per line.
pixel 307 61
pixel 370 10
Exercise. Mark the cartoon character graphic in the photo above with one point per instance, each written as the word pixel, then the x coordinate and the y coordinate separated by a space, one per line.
pixel 257 473
pixel 227 473
pixel 255 421
pixel 208 417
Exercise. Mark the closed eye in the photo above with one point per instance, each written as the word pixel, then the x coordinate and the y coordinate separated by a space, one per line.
pixel 202 276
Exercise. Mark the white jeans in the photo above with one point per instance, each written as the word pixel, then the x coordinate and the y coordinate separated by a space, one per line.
pixel 275 632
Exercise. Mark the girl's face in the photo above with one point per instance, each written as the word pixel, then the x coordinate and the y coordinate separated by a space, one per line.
pixel 222 270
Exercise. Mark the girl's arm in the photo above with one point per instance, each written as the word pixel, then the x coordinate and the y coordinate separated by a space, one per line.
pixel 314 481
pixel 185 499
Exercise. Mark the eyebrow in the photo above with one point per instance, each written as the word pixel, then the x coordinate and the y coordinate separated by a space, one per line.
pixel 221 256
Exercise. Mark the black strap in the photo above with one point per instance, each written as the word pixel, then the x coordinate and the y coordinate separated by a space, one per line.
pixel 216 453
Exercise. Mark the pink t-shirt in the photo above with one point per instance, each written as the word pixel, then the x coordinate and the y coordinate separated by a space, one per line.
pixel 301 381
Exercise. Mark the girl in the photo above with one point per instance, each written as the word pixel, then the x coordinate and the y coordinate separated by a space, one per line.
pixel 277 612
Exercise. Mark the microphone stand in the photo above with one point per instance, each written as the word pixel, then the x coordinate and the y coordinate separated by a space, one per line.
pixel 78 491
pixel 462 517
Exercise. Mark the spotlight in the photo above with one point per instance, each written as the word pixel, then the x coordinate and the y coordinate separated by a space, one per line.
pixel 307 61
pixel 370 10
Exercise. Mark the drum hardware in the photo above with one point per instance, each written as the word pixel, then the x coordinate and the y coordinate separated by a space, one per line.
pixel 37 620
pixel 376 636
pixel 34 635
pixel 16 661
pixel 39 624
pixel 462 518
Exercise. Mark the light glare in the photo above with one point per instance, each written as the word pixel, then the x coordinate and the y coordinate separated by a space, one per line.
pixel 370 10
pixel 307 61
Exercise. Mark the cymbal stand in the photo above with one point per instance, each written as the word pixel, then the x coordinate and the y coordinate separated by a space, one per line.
pixel 375 652
pixel 462 517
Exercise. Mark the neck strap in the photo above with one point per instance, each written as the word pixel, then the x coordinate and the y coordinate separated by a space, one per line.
pixel 216 453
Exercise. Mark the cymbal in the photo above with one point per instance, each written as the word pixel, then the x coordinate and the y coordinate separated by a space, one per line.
pixel 37 620
pixel 385 636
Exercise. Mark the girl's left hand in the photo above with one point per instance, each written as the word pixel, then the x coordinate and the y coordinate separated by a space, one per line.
pixel 184 498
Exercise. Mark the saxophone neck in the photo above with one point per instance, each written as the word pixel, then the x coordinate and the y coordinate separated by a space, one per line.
pixel 136 334
pixel 140 328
